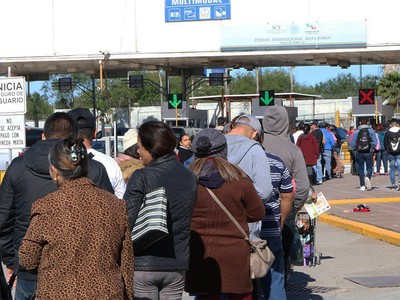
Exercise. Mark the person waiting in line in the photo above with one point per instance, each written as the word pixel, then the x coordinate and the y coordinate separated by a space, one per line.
pixel 87 130
pixel 277 141
pixel 219 255
pixel 316 131
pixel 221 121
pixel 308 145
pixel 184 152
pixel 277 209
pixel 79 231
pixel 129 161
pixel 26 180
pixel 327 152
pixel 160 268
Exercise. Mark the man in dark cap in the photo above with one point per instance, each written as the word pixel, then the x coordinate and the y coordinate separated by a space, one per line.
pixel 87 131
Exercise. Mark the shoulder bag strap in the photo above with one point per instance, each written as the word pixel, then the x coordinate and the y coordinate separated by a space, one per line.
pixel 246 237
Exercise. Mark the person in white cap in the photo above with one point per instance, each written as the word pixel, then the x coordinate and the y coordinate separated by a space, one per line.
pixel 129 160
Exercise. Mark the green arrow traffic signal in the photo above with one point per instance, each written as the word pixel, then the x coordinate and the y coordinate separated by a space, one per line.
pixel 174 101
pixel 267 98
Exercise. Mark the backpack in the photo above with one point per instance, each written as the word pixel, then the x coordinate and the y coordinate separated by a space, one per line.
pixel 394 142
pixel 363 144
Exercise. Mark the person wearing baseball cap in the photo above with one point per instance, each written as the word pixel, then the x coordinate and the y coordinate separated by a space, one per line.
pixel 87 131
pixel 245 151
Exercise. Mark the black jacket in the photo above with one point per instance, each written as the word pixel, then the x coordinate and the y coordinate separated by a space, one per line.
pixel 26 180
pixel 172 252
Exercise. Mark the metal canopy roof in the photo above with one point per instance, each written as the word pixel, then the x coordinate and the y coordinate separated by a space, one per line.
pixel 38 68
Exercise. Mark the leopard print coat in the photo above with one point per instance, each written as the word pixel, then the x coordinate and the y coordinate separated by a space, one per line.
pixel 79 241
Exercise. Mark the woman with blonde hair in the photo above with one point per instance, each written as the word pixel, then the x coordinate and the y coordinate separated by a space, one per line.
pixel 219 255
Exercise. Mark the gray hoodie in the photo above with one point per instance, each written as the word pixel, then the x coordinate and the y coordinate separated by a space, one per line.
pixel 277 141
pixel 248 155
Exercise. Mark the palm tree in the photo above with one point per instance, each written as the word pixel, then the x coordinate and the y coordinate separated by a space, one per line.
pixel 389 88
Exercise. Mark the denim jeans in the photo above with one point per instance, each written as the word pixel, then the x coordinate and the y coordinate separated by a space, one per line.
pixel 394 164
pixel 367 159
pixel 318 169
pixel 158 285
pixel 328 167
pixel 272 286
pixel 26 289
pixel 382 156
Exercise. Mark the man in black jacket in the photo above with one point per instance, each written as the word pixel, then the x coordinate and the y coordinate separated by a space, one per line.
pixel 26 180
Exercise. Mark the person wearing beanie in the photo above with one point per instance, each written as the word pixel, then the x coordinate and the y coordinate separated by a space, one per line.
pixel 211 272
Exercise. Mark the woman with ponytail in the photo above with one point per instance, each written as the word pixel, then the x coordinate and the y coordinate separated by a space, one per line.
pixel 78 240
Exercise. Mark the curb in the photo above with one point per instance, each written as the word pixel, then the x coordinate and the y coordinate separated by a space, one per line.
pixel 362 228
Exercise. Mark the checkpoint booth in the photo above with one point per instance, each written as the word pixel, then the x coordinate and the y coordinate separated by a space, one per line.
pixel 184 115
pixel 230 106
pixel 376 111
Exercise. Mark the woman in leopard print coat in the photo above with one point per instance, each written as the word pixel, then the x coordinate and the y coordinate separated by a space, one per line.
pixel 79 237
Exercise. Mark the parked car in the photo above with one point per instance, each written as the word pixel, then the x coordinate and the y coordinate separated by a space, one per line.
pixel 106 145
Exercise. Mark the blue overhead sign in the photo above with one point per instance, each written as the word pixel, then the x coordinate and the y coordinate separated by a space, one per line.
pixel 197 10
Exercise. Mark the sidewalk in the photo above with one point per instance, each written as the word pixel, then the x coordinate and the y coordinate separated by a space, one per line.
pixel 382 222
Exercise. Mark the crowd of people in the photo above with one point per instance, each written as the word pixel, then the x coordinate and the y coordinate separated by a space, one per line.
pixel 375 151
pixel 67 212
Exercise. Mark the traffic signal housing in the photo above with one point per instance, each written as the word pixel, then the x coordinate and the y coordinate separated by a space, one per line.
pixel 366 96
pixel 174 101
pixel 267 98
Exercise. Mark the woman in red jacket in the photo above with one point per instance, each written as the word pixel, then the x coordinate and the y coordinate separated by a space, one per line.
pixel 308 145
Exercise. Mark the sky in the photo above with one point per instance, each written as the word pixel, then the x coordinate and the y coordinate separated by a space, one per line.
pixel 314 75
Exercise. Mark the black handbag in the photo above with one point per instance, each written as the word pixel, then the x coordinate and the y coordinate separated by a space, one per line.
pixel 151 222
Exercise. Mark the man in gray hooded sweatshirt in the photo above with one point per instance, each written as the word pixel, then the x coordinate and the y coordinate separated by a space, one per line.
pixel 277 141
pixel 245 152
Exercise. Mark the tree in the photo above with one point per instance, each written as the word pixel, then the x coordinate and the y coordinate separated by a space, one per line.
pixel 38 108
pixel 389 88
pixel 342 86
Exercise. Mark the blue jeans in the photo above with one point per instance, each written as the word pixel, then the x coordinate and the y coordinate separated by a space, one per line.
pixel 394 164
pixel 26 289
pixel 367 159
pixel 328 167
pixel 381 156
pixel 158 285
pixel 318 169
pixel 272 286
